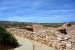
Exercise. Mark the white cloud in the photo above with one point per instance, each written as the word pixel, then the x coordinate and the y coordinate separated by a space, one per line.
pixel 19 18
pixel 38 19
pixel 3 8
pixel 53 11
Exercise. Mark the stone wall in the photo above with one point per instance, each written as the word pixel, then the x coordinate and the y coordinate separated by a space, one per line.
pixel 37 27
pixel 52 38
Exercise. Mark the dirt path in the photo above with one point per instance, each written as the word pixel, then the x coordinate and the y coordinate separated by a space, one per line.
pixel 31 45
pixel 26 44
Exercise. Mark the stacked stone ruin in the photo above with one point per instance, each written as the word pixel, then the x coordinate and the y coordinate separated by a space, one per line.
pixel 52 38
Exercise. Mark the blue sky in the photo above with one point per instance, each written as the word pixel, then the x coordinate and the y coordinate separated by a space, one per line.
pixel 50 11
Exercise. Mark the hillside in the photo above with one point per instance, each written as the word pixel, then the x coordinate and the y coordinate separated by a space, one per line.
pixel 23 24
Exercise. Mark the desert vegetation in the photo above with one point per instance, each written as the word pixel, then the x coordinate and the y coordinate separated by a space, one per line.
pixel 7 40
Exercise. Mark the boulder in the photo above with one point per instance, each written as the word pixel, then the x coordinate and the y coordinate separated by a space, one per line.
pixel 67 37
pixel 69 45
pixel 54 44
pixel 62 45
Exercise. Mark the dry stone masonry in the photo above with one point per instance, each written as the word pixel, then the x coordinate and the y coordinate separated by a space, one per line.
pixel 52 38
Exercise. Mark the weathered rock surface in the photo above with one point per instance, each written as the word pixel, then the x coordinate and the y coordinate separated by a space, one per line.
pixel 54 38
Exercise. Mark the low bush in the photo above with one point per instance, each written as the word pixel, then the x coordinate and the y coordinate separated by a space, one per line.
pixel 7 39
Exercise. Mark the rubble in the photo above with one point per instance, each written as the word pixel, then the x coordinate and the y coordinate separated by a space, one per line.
pixel 52 38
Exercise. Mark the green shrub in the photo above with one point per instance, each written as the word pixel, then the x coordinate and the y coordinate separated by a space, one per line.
pixel 7 39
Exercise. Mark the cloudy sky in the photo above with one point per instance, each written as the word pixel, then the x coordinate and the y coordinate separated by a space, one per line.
pixel 37 10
